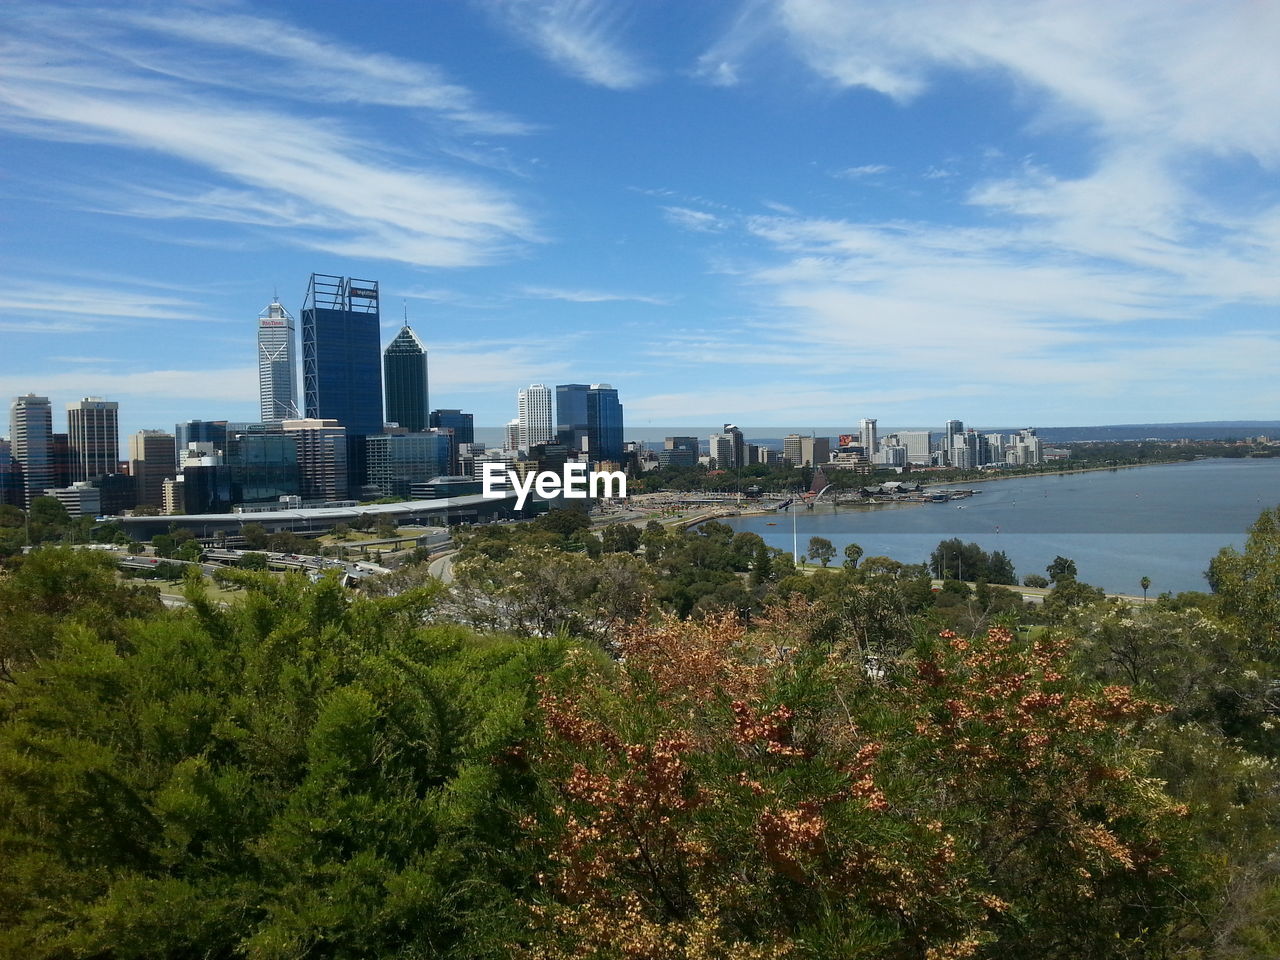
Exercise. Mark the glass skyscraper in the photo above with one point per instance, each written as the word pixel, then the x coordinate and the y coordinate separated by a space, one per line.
pixel 571 414
pixel 604 423
pixel 277 365
pixel 404 377
pixel 341 347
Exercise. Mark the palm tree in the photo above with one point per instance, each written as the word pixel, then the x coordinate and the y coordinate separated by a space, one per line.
pixel 1146 584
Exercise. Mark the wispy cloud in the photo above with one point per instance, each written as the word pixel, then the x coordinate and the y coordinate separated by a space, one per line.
pixel 865 170
pixel 696 220
pixel 344 193
pixel 581 37
pixel 591 296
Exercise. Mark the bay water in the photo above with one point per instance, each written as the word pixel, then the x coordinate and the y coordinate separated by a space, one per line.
pixel 1164 521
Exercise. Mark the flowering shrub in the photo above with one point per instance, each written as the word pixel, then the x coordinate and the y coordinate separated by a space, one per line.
pixel 717 794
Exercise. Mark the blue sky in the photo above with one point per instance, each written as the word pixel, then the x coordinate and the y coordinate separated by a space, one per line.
pixel 804 211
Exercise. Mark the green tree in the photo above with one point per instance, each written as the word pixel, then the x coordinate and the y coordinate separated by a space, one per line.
pixel 1035 580
pixel 1247 584
pixel 620 538
pixel 1061 569
pixel 1145 583
pixel 852 554
pixel 49 512
pixel 821 549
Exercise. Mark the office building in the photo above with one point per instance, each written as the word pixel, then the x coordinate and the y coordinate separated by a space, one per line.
pixel 867 436
pixel 534 416
pixel 802 451
pixel 151 462
pixel 728 449
pixel 93 437
pixel 952 430
pixel 678 452
pixel 81 499
pixel 210 432
pixel 404 378
pixel 604 424
pixel 261 468
pixel 31 439
pixel 117 492
pixel 277 364
pixel 919 444
pixel 398 461
pixel 341 353
pixel 462 424
pixel 322 458
pixel 571 415
pixel 10 476
pixel 511 436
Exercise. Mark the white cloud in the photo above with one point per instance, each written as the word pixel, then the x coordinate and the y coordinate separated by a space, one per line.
pixel 591 296
pixel 865 170
pixel 582 37
pixel 697 220
pixel 342 193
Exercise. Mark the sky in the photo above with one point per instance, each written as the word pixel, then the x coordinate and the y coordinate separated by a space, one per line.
pixel 790 212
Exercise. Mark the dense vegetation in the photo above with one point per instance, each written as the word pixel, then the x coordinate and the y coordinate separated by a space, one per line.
pixel 640 744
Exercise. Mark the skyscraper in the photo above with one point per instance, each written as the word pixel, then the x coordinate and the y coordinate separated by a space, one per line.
pixel 340 352
pixel 151 457
pixel 31 437
pixel 867 435
pixel 404 377
pixel 277 364
pixel 604 423
pixel 571 414
pixel 322 458
pixel 535 416
pixel 93 436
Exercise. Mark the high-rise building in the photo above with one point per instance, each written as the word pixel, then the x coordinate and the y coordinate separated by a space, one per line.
pixel 604 424
pixel 867 435
pixel 322 458
pixel 462 424
pixel 398 461
pixel 404 377
pixel 919 444
pixel 277 364
pixel 678 452
pixel 93 435
pixel 151 462
pixel 31 437
pixel 728 448
pixel 535 416
pixel 210 432
pixel 802 451
pixel 341 350
pixel 952 430
pixel 511 436
pixel 571 415
pixel 10 476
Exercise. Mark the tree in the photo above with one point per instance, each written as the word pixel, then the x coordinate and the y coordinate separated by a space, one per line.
pixel 852 554
pixel 1035 580
pixel 255 536
pixel 1146 585
pixel 1000 570
pixel 821 549
pixel 49 511
pixel 1062 568
pixel 1246 583
pixel 620 538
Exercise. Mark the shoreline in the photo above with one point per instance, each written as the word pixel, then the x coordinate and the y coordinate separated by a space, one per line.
pixel 1059 473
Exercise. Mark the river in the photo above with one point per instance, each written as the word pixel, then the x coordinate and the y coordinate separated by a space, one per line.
pixel 1164 521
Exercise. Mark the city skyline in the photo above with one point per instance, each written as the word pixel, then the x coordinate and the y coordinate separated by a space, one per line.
pixel 764 213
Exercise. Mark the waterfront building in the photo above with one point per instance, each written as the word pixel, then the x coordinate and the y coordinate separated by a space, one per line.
pixel 802 451
pixel 952 429
pixel 571 415
pixel 31 440
pixel 534 417
pixel 341 350
pixel 604 424
pixel 322 458
pixel 151 461
pixel 919 445
pixel 277 364
pixel 93 437
pixel 404 378
pixel 867 436
pixel 398 461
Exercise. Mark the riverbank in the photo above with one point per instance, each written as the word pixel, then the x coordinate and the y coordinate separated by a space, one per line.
pixel 1053 473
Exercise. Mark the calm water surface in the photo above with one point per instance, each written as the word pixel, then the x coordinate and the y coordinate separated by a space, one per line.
pixel 1164 522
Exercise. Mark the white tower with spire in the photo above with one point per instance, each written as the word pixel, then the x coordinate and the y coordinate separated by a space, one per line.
pixel 277 364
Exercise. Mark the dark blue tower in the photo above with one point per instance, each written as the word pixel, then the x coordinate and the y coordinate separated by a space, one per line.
pixel 342 353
